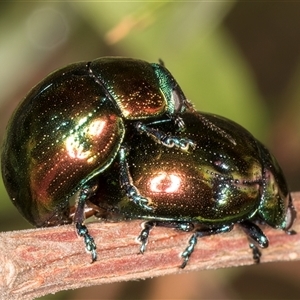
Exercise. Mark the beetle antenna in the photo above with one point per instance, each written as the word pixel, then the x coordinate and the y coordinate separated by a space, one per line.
pixel 161 62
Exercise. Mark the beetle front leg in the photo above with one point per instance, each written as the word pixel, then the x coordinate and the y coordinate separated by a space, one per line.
pixel 255 234
pixel 127 183
pixel 164 138
pixel 178 121
pixel 81 229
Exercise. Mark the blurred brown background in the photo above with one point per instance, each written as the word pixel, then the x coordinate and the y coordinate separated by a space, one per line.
pixel 237 59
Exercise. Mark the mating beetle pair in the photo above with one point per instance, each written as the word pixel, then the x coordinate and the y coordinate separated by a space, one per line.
pixel 112 132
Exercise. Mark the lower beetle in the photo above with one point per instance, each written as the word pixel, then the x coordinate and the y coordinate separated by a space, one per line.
pixel 221 183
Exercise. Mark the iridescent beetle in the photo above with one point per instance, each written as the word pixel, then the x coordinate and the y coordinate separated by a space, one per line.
pixel 229 178
pixel 70 127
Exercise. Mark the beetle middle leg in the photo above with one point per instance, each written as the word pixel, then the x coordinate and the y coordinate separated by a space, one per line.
pixel 199 234
pixel 144 235
pixel 184 226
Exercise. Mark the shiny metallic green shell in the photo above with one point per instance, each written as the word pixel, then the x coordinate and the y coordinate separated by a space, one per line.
pixel 218 183
pixel 71 125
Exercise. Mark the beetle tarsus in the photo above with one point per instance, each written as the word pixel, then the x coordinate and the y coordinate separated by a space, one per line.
pixel 139 200
pixel 189 250
pixel 143 237
pixel 90 245
pixel 165 139
pixel 256 253
pixel 173 141
pixel 85 193
pixel 178 121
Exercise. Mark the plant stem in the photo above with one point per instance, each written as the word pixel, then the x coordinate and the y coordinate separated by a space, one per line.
pixel 41 261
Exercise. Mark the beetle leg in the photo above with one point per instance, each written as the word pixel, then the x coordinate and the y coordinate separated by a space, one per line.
pixel 178 121
pixel 184 226
pixel 127 183
pixel 144 235
pixel 198 234
pixel 256 253
pixel 189 250
pixel 255 234
pixel 90 245
pixel 81 229
pixel 164 138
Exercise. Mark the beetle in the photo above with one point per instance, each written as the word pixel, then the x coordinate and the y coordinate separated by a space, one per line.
pixel 70 127
pixel 208 190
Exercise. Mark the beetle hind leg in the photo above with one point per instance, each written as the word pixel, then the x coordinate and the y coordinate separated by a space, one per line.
pixel 144 235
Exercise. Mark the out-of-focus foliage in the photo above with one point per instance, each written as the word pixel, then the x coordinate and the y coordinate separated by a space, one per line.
pixel 198 51
pixel 201 46
pixel 187 36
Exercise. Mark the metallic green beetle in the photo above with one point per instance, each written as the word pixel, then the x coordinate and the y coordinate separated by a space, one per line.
pixel 71 125
pixel 229 178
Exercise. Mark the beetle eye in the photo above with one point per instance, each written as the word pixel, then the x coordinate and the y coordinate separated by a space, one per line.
pixel 290 217
pixel 178 101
